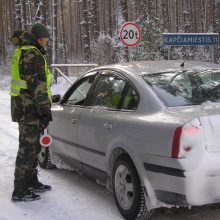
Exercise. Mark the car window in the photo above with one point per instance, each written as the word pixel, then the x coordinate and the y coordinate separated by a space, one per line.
pixel 130 100
pixel 191 87
pixel 211 79
pixel 108 91
pixel 78 95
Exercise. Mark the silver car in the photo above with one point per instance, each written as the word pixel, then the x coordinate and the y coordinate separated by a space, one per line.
pixel 149 130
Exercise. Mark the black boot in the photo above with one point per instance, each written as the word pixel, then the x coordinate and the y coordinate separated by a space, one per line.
pixel 36 186
pixel 21 192
pixel 24 196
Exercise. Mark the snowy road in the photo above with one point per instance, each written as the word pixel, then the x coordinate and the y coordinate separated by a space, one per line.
pixel 73 197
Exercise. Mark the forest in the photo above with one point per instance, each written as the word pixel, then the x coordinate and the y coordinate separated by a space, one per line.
pixel 87 31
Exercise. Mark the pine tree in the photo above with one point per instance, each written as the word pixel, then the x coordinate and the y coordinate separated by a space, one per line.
pixel 150 46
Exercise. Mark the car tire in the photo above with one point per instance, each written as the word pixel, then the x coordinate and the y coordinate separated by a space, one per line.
pixel 44 159
pixel 128 191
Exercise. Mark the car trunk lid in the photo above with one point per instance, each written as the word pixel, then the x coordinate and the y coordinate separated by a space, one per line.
pixel 211 132
pixel 200 127
pixel 190 112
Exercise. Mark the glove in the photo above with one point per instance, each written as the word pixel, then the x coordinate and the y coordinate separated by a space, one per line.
pixel 44 120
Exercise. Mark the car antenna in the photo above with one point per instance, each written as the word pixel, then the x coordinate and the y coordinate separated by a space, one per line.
pixel 183 63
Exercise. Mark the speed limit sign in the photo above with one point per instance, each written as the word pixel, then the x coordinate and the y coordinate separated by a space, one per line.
pixel 130 34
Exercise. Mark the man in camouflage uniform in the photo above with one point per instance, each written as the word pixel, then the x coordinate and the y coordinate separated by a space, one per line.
pixel 30 107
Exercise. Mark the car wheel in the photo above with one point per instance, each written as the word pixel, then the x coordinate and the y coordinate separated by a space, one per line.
pixel 127 189
pixel 44 159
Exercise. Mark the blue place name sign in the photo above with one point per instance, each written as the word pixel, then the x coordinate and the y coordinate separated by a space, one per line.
pixel 190 39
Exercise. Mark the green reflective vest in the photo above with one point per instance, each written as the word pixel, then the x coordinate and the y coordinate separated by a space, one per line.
pixel 16 82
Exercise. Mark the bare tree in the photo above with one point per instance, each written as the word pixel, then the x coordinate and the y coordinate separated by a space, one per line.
pixel 122 17
pixel 85 30
pixel 17 17
pixel 54 35
pixel 62 33
pixel 94 19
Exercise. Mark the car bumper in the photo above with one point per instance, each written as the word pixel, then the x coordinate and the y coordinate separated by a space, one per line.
pixel 175 182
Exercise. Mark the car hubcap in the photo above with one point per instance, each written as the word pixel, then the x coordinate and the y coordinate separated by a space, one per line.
pixel 41 155
pixel 124 187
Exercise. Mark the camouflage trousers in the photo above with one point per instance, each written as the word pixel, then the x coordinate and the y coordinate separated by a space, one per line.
pixel 29 148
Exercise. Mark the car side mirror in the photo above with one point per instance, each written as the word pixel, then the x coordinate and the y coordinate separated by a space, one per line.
pixel 56 98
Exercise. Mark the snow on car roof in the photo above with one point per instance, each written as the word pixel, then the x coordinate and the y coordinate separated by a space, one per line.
pixel 146 67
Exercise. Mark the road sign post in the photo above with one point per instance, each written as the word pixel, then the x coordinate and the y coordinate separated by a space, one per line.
pixel 130 34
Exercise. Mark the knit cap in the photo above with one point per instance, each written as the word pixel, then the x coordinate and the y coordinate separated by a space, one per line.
pixel 40 31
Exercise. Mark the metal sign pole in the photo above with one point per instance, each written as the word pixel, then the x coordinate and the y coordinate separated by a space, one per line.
pixel 169 52
pixel 212 48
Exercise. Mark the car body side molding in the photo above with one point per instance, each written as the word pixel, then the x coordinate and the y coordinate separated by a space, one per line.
pixel 79 146
pixel 164 170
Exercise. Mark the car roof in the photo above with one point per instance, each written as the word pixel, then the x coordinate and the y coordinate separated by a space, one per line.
pixel 148 67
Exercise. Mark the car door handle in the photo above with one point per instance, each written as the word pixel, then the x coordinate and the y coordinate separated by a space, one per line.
pixel 108 126
pixel 74 121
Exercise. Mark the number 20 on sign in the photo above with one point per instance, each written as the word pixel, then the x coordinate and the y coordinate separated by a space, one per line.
pixel 130 34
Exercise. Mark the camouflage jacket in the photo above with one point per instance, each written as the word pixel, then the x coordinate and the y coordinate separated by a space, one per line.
pixel 33 102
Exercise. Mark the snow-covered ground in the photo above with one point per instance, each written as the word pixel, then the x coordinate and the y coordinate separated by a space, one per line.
pixel 73 197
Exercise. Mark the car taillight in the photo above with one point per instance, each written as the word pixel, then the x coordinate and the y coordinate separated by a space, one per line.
pixel 176 142
pixel 182 141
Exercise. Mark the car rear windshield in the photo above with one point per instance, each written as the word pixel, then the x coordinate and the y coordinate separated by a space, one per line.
pixel 191 87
